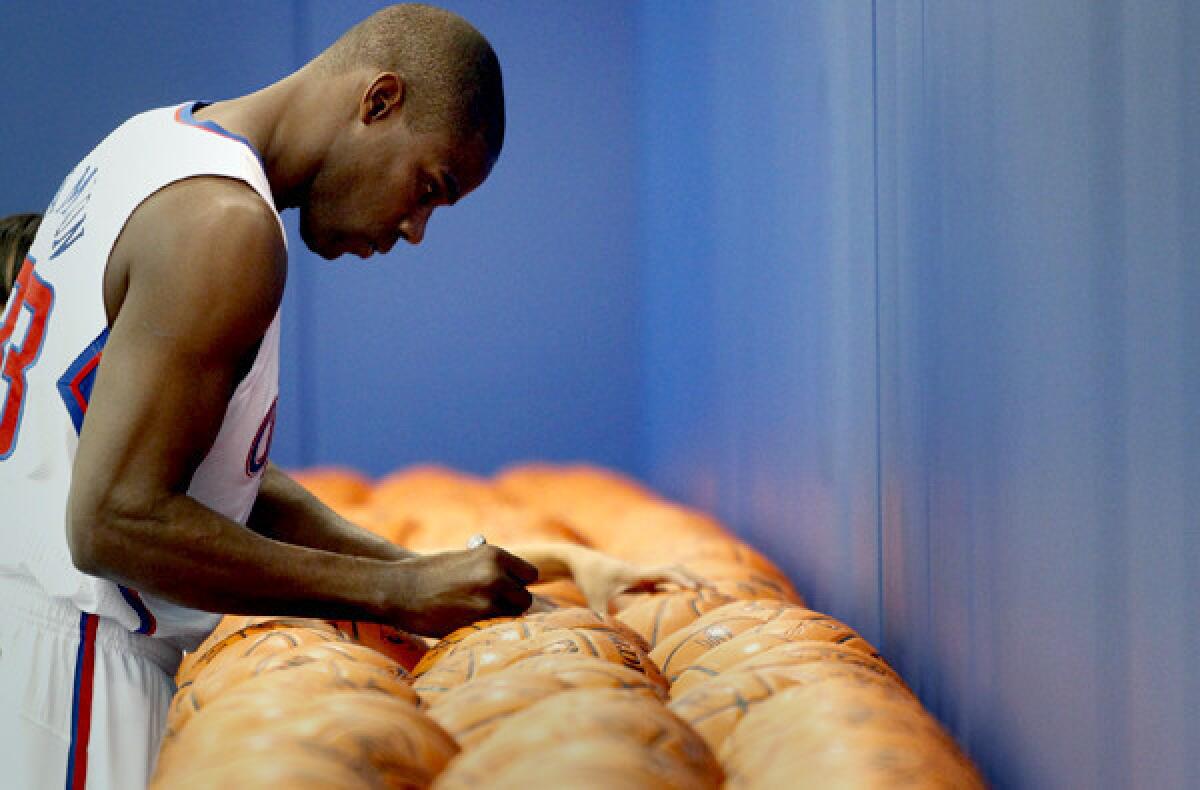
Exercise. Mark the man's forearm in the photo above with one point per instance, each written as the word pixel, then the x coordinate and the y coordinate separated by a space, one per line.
pixel 287 512
pixel 188 554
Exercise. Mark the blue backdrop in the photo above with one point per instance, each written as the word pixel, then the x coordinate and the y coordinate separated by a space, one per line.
pixel 920 289
pixel 905 291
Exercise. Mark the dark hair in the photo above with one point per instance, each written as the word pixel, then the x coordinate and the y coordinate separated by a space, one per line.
pixel 16 234
pixel 451 72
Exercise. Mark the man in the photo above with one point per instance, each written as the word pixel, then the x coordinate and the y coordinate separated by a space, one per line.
pixel 163 256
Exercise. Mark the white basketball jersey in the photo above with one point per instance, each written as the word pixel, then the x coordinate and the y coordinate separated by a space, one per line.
pixel 52 339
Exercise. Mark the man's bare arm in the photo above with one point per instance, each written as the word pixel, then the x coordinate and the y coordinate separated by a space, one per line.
pixel 202 265
pixel 286 511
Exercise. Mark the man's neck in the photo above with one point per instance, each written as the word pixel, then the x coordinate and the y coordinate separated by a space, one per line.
pixel 291 124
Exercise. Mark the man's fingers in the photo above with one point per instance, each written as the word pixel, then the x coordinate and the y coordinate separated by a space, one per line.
pixel 513 598
pixel 518 568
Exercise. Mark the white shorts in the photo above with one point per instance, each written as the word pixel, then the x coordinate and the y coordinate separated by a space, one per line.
pixel 83 701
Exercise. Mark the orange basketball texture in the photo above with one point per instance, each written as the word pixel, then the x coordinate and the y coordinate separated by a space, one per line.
pixel 731 550
pixel 558 486
pixel 447 644
pixel 741 581
pixel 587 498
pixel 487 659
pixel 838 732
pixel 302 680
pixel 345 665
pixel 294 766
pixel 714 707
pixel 759 639
pixel 647 531
pixel 401 746
pixel 681 648
pixel 507 629
pixel 404 648
pixel 258 638
pixel 657 615
pixel 564 593
pixel 246 716
pixel 576 715
pixel 576 671
pixel 227 627
pixel 791 653
pixel 601 763
pixel 430 483
pixel 333 485
pixel 378 520
pixel 472 711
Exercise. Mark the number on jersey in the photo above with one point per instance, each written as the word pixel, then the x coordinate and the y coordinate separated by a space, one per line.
pixel 34 297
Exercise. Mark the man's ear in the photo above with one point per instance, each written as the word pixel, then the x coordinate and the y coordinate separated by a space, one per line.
pixel 383 97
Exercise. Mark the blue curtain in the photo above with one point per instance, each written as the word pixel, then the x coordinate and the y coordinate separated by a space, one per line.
pixel 920 305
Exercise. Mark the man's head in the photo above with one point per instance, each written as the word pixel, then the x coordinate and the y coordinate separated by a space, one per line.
pixel 427 126
pixel 16 236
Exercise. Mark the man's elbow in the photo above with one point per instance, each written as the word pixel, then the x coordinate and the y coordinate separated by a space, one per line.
pixel 98 536
pixel 86 541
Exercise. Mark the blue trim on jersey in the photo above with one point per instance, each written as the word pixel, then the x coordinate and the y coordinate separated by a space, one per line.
pixel 147 622
pixel 186 115
pixel 76 696
pixel 75 386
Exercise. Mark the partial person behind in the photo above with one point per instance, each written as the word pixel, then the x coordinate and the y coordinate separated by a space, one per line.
pixel 16 234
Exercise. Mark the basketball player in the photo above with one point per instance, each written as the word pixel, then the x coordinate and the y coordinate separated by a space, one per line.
pixel 162 254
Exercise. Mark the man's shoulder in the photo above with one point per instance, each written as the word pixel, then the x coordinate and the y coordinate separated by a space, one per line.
pixel 208 240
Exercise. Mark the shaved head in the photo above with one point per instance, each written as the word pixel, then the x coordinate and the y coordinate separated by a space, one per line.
pixel 451 74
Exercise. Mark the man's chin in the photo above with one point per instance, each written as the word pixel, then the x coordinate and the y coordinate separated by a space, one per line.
pixel 329 255
pixel 320 246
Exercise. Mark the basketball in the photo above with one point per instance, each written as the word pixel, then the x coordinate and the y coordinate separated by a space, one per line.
pixel 743 582
pixel 474 710
pixel 759 639
pixel 648 530
pixel 564 593
pixel 839 731
pixel 303 679
pixel 791 653
pixel 657 615
pixel 576 671
pixel 335 486
pixel 718 626
pixel 259 638
pixel 601 762
pixel 430 483
pixel 715 706
pixel 572 716
pixel 485 659
pixel 402 647
pixel 447 644
pixel 507 630
pixel 232 629
pixel 342 663
pixel 295 766
pixel 404 745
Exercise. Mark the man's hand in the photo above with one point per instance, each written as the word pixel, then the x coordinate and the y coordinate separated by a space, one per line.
pixel 442 592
